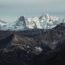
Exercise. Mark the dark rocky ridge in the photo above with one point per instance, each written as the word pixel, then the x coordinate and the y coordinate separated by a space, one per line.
pixel 39 47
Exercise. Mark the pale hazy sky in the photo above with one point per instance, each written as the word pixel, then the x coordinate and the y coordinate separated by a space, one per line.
pixel 10 10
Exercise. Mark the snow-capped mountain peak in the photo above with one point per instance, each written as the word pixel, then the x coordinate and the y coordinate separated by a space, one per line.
pixel 42 22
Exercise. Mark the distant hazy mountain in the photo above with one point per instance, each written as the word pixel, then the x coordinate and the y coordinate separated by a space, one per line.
pixel 22 23
pixel 3 24
pixel 18 24
pixel 43 22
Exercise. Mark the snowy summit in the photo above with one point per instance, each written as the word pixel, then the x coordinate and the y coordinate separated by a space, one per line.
pixel 42 22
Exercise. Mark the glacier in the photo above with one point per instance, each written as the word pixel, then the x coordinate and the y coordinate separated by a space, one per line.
pixel 42 22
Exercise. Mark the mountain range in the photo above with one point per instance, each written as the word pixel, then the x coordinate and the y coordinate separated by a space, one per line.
pixel 33 46
pixel 42 22
pixel 33 41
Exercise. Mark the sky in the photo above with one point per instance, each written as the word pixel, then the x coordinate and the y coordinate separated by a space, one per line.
pixel 10 10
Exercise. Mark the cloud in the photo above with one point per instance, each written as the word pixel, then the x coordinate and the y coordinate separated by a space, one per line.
pixel 30 7
pixel 31 3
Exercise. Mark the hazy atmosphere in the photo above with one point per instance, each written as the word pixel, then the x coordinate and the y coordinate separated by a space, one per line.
pixel 32 32
pixel 10 10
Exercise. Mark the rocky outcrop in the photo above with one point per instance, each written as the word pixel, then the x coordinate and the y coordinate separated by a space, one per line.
pixel 20 24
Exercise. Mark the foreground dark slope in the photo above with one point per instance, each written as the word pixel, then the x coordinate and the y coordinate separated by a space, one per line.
pixel 39 47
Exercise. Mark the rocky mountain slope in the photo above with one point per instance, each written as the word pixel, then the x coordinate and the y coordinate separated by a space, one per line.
pixel 36 46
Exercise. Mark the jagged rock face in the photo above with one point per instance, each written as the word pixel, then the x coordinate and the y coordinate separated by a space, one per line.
pixel 20 24
pixel 21 20
pixel 60 26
